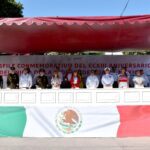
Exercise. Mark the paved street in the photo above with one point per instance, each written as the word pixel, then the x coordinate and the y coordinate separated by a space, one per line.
pixel 74 144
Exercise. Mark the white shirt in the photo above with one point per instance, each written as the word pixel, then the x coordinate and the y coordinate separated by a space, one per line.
pixel 138 81
pixel 56 82
pixel 107 80
pixel 25 81
pixel 92 82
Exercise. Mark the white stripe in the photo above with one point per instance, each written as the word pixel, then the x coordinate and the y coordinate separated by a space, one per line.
pixel 97 121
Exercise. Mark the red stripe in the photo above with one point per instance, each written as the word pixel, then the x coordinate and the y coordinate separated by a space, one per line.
pixel 134 121
pixel 123 81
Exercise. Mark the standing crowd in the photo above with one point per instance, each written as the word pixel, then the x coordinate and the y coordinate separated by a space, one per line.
pixel 73 79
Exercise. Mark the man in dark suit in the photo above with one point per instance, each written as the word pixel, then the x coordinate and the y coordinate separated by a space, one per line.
pixel 42 80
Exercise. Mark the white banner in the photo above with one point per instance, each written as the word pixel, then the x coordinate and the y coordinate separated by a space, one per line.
pixel 83 63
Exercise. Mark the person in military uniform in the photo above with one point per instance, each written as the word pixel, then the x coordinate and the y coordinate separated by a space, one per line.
pixel 107 79
pixel 13 79
pixel 42 80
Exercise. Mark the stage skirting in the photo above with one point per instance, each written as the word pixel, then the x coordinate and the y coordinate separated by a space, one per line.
pixel 75 113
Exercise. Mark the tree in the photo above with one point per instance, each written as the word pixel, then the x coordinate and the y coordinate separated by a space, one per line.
pixel 138 52
pixel 10 8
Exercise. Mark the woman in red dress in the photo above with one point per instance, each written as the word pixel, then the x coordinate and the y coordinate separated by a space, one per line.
pixel 75 80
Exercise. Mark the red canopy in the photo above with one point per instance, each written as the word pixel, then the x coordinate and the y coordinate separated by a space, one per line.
pixel 71 34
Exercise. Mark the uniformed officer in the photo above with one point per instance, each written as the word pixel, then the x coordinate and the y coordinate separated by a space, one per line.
pixel 42 80
pixel 13 79
pixel 107 79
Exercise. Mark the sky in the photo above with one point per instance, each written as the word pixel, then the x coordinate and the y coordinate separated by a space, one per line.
pixel 34 8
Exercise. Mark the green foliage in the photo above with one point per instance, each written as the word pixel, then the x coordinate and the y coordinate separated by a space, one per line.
pixel 136 53
pixel 76 53
pixel 10 8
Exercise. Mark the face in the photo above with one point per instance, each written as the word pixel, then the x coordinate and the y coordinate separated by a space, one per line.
pixel 42 73
pixel 25 71
pixel 55 74
pixel 138 73
pixel 92 73
pixel 123 71
pixel 12 71
pixel 75 74
pixel 107 71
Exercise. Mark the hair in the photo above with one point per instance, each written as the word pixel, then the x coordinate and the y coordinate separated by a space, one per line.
pixel 125 74
pixel 28 69
pixel 57 67
pixel 42 70
pixel 75 71
pixel 137 71
pixel 125 68
pixel 57 74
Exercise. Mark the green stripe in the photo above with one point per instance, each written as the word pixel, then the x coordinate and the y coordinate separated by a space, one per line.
pixel 12 121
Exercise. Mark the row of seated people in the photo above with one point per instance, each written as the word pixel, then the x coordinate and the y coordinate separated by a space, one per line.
pixel 73 80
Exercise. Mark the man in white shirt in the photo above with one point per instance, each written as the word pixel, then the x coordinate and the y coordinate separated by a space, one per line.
pixel 92 81
pixel 107 79
pixel 138 80
pixel 25 80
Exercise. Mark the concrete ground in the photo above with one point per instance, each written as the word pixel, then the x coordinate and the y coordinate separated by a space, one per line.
pixel 74 144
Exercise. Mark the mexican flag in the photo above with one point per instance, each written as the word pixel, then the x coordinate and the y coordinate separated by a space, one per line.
pixel 75 121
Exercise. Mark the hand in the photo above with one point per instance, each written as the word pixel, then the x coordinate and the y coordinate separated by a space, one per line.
pixel 108 85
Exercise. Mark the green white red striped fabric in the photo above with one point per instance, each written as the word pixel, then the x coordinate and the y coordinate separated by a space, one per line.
pixel 76 121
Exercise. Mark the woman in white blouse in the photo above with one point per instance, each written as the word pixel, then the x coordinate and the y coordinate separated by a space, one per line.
pixel 56 81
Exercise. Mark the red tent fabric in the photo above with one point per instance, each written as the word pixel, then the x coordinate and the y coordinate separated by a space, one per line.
pixel 72 34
